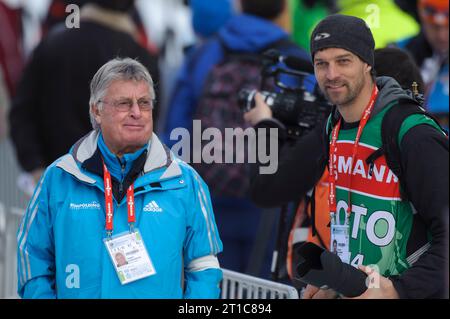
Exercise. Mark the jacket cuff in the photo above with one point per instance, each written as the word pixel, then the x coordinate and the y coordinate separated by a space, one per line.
pixel 399 287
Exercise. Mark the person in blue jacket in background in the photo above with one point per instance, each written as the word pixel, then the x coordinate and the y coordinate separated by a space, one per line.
pixel 430 50
pixel 119 190
pixel 248 32
pixel 261 25
pixel 210 16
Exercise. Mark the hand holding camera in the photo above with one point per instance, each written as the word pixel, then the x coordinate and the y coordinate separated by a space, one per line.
pixel 295 100
pixel 260 112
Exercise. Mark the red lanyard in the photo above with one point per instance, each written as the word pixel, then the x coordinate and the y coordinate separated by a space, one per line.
pixel 109 202
pixel 333 150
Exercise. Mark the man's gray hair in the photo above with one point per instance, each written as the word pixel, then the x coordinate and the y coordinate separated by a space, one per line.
pixel 124 69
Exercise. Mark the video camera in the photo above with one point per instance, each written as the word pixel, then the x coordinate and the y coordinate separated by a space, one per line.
pixel 297 108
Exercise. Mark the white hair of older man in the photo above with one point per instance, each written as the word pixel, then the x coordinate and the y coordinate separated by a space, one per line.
pixel 118 69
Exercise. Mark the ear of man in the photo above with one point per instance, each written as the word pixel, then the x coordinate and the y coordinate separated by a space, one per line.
pixel 95 109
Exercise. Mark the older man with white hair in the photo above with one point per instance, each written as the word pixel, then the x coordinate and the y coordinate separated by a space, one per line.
pixel 119 190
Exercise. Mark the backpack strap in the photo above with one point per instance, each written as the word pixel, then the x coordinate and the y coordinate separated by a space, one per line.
pixel 312 202
pixel 333 119
pixel 313 212
pixel 390 129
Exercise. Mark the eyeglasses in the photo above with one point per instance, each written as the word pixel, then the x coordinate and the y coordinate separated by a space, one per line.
pixel 125 105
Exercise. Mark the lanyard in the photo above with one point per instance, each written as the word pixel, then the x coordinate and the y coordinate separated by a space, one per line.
pixel 109 203
pixel 333 150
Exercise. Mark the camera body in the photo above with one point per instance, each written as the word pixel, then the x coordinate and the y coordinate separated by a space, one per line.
pixel 300 112
pixel 297 108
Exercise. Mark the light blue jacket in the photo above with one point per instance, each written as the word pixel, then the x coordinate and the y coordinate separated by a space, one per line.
pixel 61 253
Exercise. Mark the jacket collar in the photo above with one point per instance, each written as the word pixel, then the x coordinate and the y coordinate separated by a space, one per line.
pixel 390 91
pixel 112 19
pixel 158 157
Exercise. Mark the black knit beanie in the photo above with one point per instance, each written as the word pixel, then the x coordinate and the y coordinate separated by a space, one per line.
pixel 345 32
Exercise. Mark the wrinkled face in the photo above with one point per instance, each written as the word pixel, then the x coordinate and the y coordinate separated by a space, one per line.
pixel 341 75
pixel 125 129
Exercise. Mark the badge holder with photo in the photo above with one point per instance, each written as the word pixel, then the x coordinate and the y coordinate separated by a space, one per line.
pixel 340 238
pixel 129 256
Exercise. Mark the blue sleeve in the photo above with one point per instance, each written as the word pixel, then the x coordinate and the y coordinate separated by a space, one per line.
pixel 39 288
pixel 203 284
pixel 35 251
pixel 437 100
pixel 201 246
pixel 402 43
pixel 308 82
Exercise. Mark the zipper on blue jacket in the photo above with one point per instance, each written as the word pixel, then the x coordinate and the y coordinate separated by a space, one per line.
pixel 122 165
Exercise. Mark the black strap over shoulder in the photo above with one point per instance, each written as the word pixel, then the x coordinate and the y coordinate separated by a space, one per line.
pixel 334 119
pixel 390 129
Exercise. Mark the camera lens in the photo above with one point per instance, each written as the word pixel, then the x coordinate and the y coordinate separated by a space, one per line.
pixel 319 267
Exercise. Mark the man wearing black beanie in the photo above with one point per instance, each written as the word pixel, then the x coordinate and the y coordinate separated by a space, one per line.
pixel 339 48
pixel 389 197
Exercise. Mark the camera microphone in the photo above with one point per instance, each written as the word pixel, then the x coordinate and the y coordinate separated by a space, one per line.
pixel 297 64
pixel 291 62
pixel 321 268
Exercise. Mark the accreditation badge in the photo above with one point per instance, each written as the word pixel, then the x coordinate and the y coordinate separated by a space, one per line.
pixel 340 241
pixel 129 257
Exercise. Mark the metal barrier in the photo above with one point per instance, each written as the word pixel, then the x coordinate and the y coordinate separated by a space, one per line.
pixel 2 248
pixel 9 223
pixel 240 286
pixel 10 196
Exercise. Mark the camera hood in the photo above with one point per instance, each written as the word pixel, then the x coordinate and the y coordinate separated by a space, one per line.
pixel 321 268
